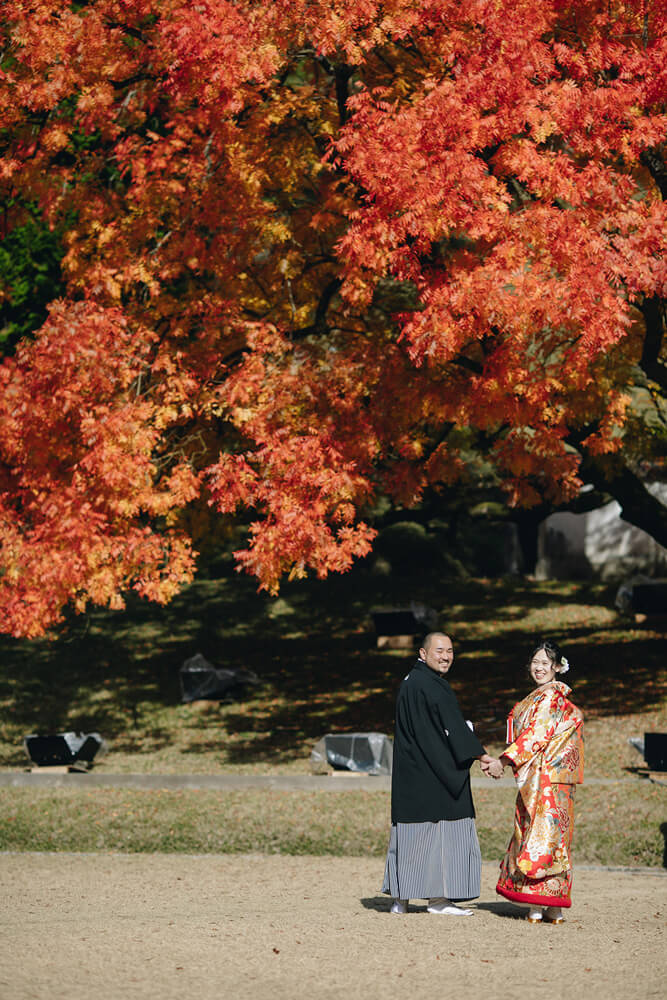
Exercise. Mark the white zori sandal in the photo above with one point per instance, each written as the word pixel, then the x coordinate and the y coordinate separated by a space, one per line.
pixel 442 905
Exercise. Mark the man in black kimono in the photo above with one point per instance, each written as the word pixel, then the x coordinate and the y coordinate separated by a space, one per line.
pixel 433 848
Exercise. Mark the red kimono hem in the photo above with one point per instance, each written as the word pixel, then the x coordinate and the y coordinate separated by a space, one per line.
pixel 533 898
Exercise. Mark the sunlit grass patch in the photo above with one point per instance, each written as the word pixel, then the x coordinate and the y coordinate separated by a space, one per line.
pixel 614 825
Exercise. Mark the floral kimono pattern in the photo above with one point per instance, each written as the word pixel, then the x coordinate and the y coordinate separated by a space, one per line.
pixel 545 736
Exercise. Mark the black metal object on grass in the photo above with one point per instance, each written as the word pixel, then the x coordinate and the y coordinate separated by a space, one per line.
pixel 201 681
pixel 55 749
pixel 366 753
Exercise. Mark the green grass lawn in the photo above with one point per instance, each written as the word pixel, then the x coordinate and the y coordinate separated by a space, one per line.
pixel 613 826
pixel 315 652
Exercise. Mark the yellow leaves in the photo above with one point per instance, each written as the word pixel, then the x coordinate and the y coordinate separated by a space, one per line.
pixel 112 287
pixel 93 101
pixel 55 138
pixel 242 415
pixel 105 234
pixel 543 129
pixel 291 265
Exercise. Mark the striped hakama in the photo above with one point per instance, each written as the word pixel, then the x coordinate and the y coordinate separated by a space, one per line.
pixel 428 860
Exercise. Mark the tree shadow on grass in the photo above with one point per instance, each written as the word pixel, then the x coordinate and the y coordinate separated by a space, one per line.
pixel 358 694
pixel 314 649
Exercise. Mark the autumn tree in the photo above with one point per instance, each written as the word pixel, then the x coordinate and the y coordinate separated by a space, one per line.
pixel 309 250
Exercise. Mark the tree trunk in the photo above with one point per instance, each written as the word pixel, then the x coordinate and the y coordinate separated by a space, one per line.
pixel 527 522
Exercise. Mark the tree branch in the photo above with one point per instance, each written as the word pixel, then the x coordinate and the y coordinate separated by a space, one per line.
pixel 319 325
pixel 341 73
pixel 653 311
pixel 654 160
pixel 638 506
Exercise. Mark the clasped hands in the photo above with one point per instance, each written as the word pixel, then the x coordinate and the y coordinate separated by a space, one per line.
pixel 491 766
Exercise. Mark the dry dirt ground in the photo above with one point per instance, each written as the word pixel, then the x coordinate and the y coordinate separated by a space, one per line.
pixel 267 928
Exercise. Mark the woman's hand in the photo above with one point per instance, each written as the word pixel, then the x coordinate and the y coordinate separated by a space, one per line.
pixel 491 766
pixel 495 768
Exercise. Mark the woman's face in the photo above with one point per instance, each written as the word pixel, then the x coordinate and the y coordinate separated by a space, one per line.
pixel 542 668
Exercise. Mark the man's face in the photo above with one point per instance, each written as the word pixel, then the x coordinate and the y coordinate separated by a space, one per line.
pixel 439 655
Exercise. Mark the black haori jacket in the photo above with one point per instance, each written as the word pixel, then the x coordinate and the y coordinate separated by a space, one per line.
pixel 433 752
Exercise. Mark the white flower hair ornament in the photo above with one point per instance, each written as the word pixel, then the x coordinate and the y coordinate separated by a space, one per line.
pixel 564 665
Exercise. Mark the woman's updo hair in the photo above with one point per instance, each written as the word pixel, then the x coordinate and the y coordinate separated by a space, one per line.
pixel 552 649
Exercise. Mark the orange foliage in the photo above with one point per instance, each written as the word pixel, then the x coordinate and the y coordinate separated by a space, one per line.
pixel 303 239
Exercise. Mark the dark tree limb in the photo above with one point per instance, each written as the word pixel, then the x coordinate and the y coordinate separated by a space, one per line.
pixel 653 311
pixel 654 160
pixel 638 506
pixel 528 521
pixel 341 73
pixel 319 326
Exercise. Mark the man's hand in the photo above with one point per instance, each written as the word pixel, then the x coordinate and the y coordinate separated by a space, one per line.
pixel 491 766
pixel 495 768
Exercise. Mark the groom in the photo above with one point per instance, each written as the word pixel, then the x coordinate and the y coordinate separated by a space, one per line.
pixel 433 848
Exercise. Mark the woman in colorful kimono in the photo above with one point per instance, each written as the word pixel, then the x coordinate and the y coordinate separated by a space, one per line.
pixel 546 753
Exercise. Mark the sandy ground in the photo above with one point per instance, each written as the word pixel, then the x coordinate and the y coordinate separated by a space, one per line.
pixel 268 928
